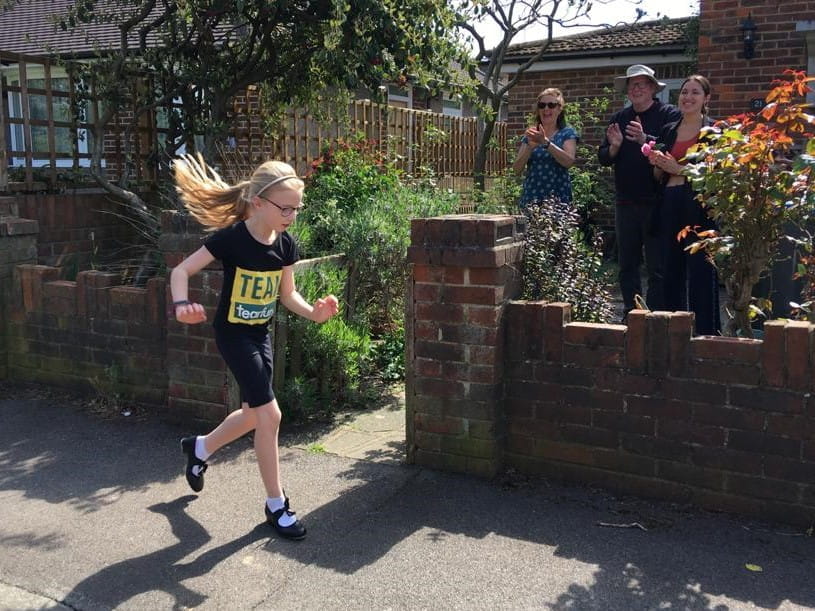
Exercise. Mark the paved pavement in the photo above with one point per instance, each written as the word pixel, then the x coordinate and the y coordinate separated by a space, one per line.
pixel 95 514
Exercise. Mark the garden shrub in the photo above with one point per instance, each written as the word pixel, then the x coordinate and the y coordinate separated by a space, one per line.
pixel 357 204
pixel 559 265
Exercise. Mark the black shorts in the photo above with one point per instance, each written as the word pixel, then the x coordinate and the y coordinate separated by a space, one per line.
pixel 250 361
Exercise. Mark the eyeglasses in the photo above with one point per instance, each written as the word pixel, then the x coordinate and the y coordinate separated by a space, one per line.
pixel 550 105
pixel 639 84
pixel 285 211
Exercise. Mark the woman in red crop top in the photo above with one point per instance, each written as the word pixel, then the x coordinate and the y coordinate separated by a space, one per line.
pixel 691 281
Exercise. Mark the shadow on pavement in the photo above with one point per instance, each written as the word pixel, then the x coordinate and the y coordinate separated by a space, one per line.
pixel 685 559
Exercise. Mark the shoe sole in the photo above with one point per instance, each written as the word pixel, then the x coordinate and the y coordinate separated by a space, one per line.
pixel 285 535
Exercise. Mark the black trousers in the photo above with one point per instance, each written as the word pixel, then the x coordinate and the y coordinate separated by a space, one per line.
pixel 692 283
pixel 637 229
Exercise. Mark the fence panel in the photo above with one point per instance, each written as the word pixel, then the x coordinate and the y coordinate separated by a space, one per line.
pixel 46 126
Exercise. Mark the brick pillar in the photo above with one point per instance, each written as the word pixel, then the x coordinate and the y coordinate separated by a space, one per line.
pixel 18 246
pixel 463 270
pixel 200 389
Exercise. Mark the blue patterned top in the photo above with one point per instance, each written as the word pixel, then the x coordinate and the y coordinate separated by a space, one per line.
pixel 544 175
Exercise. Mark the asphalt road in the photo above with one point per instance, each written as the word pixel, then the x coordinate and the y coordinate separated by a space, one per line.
pixel 95 514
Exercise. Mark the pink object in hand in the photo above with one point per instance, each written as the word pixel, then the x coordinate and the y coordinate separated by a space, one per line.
pixel 648 147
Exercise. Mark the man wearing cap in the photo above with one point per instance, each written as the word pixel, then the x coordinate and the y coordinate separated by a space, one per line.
pixel 637 193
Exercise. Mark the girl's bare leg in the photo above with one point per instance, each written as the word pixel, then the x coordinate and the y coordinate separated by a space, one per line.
pixel 235 425
pixel 268 418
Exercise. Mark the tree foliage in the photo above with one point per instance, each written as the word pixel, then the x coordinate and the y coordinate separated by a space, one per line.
pixel 204 52
pixel 755 176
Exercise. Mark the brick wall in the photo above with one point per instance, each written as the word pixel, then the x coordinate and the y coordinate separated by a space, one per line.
pixel 723 423
pixel 199 386
pixel 75 228
pixel 90 334
pixel 95 335
pixel 18 245
pixel 778 45
pixel 463 269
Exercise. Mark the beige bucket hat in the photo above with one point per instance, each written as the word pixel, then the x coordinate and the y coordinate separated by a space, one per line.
pixel 620 82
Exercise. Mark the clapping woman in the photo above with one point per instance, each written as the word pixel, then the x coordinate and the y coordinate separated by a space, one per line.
pixel 691 281
pixel 547 152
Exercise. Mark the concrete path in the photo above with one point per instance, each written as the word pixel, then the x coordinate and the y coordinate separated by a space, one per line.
pixel 95 514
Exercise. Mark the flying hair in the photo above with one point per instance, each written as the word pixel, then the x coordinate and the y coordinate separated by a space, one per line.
pixel 216 204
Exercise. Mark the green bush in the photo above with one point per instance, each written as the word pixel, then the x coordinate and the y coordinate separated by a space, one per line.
pixel 559 265
pixel 336 356
pixel 357 204
pixel 388 356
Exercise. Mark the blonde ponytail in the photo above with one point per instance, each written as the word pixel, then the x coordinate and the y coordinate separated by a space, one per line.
pixel 213 202
pixel 210 200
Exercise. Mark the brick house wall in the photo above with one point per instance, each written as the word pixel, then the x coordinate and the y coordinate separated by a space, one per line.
pixel 723 423
pixel 779 44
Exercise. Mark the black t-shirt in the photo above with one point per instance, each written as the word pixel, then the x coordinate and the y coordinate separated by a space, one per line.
pixel 633 174
pixel 252 274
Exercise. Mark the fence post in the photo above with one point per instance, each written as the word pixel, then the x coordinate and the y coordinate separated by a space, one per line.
pixel 463 270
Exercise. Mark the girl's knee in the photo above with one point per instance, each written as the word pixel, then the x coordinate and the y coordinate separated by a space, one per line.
pixel 269 413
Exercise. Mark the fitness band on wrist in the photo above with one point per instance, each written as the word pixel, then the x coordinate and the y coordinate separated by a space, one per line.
pixel 181 302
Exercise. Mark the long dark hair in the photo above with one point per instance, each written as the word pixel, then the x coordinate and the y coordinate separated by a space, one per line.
pixel 704 83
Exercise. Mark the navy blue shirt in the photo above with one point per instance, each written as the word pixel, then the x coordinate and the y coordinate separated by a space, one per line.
pixel 633 174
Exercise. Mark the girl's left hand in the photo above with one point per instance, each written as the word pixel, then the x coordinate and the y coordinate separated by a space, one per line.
pixel 324 308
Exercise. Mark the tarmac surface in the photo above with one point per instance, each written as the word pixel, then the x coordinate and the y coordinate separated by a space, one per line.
pixel 95 513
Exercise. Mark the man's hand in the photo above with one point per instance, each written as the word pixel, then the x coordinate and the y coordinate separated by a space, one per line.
pixel 633 131
pixel 614 135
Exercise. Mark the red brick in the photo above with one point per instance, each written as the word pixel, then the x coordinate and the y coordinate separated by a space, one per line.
pixel 767 399
pixel 729 417
pixel 555 316
pixel 799 368
pixel 657 345
pixel 772 353
pixel 728 460
pixel 471 294
pixel 592 335
pixel 690 432
pixel 691 475
pixel 635 340
pixel 440 312
pixel 726 349
pixel 789 469
pixel 761 443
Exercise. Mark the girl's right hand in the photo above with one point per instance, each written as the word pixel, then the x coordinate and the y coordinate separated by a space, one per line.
pixel 190 313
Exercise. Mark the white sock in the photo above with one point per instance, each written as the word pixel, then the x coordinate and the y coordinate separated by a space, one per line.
pixel 200 449
pixel 279 502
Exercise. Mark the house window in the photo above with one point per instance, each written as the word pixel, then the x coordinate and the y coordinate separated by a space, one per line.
pixel 400 97
pixel 670 95
pixel 39 115
pixel 451 107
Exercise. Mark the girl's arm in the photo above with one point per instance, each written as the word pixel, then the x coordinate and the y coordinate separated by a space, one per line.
pixel 323 309
pixel 190 313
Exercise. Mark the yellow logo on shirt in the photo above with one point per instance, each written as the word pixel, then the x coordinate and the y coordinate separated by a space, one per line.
pixel 254 296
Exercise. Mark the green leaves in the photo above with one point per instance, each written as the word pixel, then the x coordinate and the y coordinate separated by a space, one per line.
pixel 754 186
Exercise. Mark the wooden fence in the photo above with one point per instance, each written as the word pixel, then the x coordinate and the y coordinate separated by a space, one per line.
pixel 46 129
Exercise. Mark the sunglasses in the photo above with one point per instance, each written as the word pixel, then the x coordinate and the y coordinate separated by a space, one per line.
pixel 549 105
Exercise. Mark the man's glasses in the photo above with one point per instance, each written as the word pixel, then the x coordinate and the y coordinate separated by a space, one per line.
pixel 285 211
pixel 550 105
